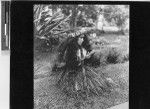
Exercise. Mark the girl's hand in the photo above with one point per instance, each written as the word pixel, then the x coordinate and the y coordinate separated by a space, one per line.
pixel 89 54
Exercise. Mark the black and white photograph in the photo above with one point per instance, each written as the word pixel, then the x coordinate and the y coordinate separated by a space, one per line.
pixel 81 56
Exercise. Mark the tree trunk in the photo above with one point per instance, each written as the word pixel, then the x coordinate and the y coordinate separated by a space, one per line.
pixel 73 17
pixel 100 22
pixel 96 22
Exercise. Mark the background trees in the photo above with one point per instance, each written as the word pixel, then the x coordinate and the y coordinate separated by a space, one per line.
pixel 56 21
pixel 118 14
pixel 63 17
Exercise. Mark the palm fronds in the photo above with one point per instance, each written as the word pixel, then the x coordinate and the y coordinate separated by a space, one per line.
pixel 46 22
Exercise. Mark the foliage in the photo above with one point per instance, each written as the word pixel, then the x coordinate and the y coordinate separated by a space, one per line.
pixel 52 17
pixel 48 17
pixel 56 21
pixel 112 56
pixel 118 14
pixel 48 23
pixel 108 55
pixel 123 57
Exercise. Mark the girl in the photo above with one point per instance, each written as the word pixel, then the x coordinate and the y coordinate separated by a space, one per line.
pixel 75 76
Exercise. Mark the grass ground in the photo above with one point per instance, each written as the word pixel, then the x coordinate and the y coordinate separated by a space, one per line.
pixel 47 96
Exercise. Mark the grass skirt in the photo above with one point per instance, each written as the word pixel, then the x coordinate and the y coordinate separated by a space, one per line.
pixel 84 81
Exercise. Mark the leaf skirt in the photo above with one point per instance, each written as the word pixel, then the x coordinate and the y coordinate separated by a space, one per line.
pixel 84 81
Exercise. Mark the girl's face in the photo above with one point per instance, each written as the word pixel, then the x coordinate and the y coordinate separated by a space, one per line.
pixel 80 40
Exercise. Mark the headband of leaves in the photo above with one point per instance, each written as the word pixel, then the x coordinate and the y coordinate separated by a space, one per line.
pixel 77 33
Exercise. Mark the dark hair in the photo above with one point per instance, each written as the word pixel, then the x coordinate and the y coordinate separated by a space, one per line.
pixel 62 48
pixel 86 43
pixel 71 45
